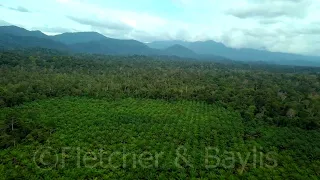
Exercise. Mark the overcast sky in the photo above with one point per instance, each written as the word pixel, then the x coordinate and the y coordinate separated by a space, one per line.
pixel 275 25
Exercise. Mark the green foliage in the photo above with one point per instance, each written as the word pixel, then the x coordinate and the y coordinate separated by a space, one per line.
pixel 50 99
pixel 273 94
pixel 135 126
pixel 17 128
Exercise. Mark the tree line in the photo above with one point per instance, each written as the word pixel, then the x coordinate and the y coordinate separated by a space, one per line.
pixel 278 95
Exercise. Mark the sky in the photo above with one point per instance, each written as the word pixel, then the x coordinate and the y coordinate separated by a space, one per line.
pixel 276 25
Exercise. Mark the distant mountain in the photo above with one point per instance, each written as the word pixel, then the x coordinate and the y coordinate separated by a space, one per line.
pixel 8 41
pixel 78 37
pixel 209 47
pixel 82 42
pixel 167 44
pixel 12 37
pixel 179 50
pixel 113 46
pixel 18 31
pixel 244 54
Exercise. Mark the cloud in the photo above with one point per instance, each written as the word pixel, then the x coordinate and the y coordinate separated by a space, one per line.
pixel 112 33
pixel 272 9
pixel 308 29
pixel 182 34
pixel 184 3
pixel 63 1
pixel 19 9
pixel 101 23
pixel 127 24
pixel 291 38
pixel 135 34
pixel 148 37
pixel 265 12
pixel 268 21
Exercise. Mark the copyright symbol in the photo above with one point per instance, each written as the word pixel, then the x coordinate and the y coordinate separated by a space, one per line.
pixel 46 158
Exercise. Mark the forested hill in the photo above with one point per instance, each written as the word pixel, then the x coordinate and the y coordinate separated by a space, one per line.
pixel 180 50
pixel 241 54
pixel 12 37
pixel 11 42
pixel 75 38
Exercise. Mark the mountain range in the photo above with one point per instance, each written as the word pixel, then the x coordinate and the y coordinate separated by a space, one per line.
pixel 13 37
pixel 242 54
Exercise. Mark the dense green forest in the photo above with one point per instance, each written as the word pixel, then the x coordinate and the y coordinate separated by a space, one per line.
pixel 156 104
